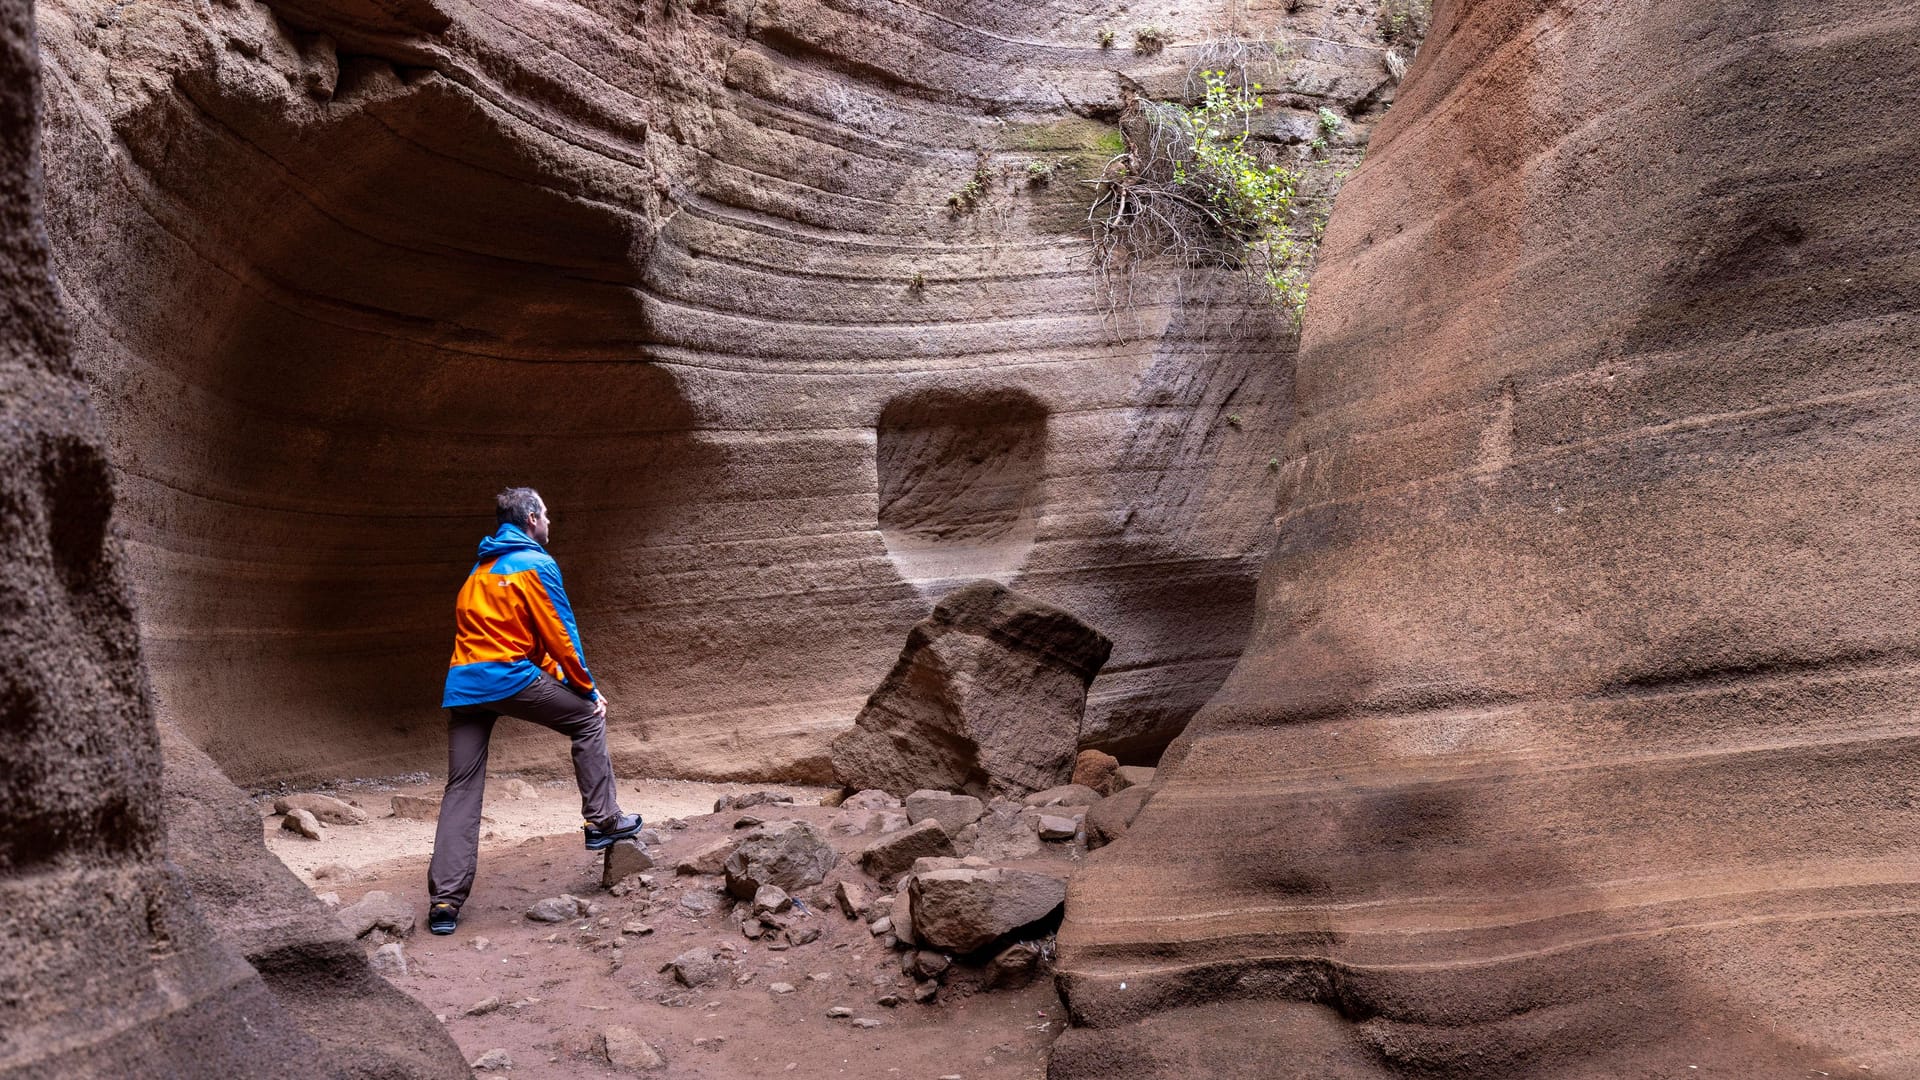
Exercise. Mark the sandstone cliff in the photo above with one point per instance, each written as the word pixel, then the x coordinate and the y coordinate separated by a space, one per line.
pixel 113 960
pixel 339 271
pixel 1575 735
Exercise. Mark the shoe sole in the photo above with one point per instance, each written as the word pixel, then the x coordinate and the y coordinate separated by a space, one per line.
pixel 443 931
pixel 607 840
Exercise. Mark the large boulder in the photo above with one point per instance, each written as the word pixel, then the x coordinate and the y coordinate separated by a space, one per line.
pixel 964 909
pixel 986 698
pixel 789 854
pixel 953 812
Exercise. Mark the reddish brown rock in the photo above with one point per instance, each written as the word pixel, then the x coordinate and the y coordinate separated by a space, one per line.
pixel 147 931
pixel 366 262
pixel 986 698
pixel 1577 731
pixel 1094 769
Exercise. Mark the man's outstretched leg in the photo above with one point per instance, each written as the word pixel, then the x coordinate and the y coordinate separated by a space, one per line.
pixel 551 705
pixel 456 839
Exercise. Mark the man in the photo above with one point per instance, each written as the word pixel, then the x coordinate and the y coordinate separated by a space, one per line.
pixel 516 652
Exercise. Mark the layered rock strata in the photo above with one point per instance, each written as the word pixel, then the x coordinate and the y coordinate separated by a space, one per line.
pixel 1576 734
pixel 115 961
pixel 339 271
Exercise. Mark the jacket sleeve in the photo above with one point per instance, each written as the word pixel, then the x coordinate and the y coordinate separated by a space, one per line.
pixel 553 623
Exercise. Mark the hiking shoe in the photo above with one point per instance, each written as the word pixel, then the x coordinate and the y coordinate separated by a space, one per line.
pixel 620 828
pixel 442 917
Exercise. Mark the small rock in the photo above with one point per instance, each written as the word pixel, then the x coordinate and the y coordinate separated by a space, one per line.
pixel 928 964
pixel 1109 819
pixel 873 799
pixel 711 859
pixel 881 925
pixel 852 898
pixel 1055 827
pixel 752 929
pixel 1093 769
pixel 1064 795
pixel 624 859
pixel 625 1049
pixel 925 992
pixel 557 909
pixel 853 822
pixel 889 1000
pixel 695 967
pixel 389 960
pixel 377 910
pixel 636 929
pixel 865 1022
pixel 323 807
pixel 771 900
pixel 330 899
pixel 752 798
pixel 417 807
pixel 780 988
pixel 839 1012
pixel 1129 776
pixel 789 854
pixel 806 935
pixel 480 944
pixel 892 855
pixel 304 823
pixel 519 789
pixel 889 821
pixel 494 1060
pixel 953 812
pixel 1014 965
pixel 333 872
pixel 699 902
pixel 484 1006
pixel 902 915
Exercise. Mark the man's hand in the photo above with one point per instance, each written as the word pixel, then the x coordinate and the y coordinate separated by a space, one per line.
pixel 600 706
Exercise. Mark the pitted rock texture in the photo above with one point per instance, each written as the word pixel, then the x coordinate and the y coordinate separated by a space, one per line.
pixel 340 271
pixel 115 961
pixel 1576 737
pixel 987 698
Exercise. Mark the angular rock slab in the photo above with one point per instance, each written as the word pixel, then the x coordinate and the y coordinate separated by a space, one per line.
pixel 624 859
pixel 953 812
pixel 962 910
pixel 986 698
pixel 894 854
pixel 789 854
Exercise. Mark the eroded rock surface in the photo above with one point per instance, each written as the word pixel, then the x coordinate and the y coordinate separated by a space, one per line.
pixel 987 698
pixel 1578 731
pixel 123 852
pixel 341 270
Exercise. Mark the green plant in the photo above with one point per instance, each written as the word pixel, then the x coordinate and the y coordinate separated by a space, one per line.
pixel 1105 36
pixel 1040 172
pixel 1195 189
pixel 1330 121
pixel 1149 40
pixel 918 282
pixel 1233 420
pixel 973 192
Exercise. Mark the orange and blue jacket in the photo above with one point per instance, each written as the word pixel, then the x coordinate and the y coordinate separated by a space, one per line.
pixel 511 622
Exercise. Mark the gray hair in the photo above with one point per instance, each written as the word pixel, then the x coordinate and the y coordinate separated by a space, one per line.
pixel 516 505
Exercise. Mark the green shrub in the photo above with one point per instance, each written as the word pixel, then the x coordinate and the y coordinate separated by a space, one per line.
pixel 1195 189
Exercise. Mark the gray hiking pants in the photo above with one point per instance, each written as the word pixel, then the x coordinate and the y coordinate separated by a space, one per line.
pixel 456 843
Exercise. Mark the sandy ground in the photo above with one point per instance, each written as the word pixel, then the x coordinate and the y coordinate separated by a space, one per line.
pixel 560 985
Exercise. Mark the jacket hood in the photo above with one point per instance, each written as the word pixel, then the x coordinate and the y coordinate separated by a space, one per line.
pixel 508 537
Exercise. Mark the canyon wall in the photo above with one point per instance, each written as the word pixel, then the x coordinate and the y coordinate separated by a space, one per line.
pixel 714 277
pixel 1575 736
pixel 147 932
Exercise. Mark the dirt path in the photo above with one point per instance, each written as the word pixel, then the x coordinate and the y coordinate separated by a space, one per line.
pixel 558 986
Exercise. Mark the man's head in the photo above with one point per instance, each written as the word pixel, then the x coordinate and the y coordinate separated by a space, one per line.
pixel 523 506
